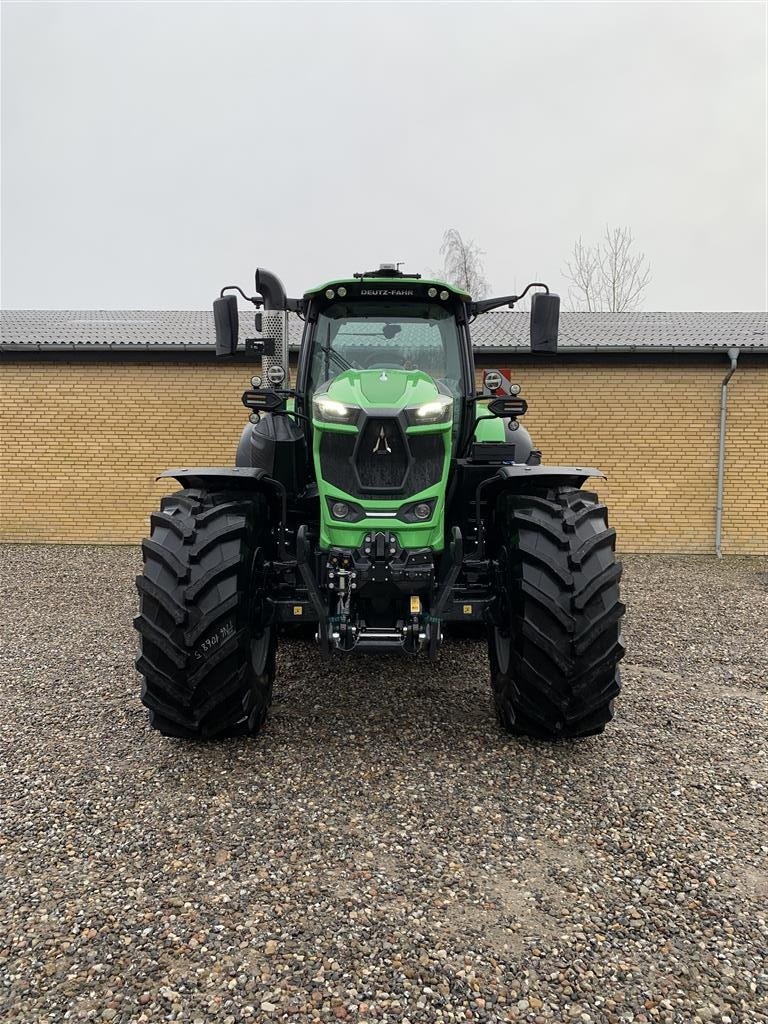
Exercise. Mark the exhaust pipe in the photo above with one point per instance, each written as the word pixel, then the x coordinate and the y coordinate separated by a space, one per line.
pixel 270 287
pixel 274 324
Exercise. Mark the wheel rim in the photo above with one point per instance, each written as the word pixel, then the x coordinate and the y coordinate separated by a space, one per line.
pixel 502 646
pixel 260 651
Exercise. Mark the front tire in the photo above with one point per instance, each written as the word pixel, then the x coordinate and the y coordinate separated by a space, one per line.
pixel 207 648
pixel 556 645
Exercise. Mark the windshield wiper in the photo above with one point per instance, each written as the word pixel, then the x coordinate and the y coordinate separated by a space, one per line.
pixel 332 353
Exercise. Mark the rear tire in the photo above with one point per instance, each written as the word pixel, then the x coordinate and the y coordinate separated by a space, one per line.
pixel 207 648
pixel 555 647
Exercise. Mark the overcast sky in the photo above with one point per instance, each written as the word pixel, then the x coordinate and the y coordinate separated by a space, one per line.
pixel 154 152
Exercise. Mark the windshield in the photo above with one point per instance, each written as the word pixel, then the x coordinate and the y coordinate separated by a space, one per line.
pixel 368 336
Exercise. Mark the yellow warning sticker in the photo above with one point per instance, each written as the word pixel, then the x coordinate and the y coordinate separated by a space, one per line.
pixel 467 609
pixel 298 609
pixel 415 605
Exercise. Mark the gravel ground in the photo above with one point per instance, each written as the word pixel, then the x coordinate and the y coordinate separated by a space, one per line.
pixel 382 851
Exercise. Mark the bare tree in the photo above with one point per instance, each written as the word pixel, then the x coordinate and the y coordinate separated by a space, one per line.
pixel 463 264
pixel 583 270
pixel 607 277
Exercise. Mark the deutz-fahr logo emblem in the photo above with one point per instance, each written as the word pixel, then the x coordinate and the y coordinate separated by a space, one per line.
pixel 386 291
pixel 382 444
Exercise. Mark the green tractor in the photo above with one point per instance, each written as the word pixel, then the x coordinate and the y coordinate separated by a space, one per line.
pixel 381 500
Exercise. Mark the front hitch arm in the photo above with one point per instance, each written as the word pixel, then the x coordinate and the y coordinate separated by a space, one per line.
pixel 313 591
pixel 446 589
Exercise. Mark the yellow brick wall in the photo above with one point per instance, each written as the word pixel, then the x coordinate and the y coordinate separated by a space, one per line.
pixel 82 439
pixel 652 426
pixel 82 442
pixel 745 508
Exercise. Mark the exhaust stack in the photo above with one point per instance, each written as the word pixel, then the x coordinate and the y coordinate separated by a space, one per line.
pixel 274 326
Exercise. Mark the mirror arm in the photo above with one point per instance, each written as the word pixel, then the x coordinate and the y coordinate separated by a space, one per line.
pixel 483 305
pixel 255 299
pixel 274 293
pixel 534 284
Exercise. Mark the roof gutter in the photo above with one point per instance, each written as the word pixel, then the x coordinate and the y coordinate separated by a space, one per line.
pixel 733 355
pixel 483 350
pixel 603 350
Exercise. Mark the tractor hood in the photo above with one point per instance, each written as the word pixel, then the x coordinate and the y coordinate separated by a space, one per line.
pixel 383 388
pixel 381 447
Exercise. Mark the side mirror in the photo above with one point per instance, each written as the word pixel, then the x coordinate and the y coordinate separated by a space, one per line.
pixel 226 322
pixel 545 317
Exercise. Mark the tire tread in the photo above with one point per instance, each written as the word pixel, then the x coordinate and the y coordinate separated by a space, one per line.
pixel 196 590
pixel 562 599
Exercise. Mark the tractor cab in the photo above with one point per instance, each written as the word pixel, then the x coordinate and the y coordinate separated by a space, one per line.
pixel 388 323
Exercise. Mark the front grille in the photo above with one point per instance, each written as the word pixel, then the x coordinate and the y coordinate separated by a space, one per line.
pixel 428 453
pixel 336 459
pixel 382 458
pixel 411 463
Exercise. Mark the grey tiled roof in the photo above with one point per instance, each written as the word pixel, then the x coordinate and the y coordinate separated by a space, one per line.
pixel 627 331
pixel 502 331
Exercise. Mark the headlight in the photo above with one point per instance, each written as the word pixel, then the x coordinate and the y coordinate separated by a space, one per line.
pixel 437 410
pixel 329 410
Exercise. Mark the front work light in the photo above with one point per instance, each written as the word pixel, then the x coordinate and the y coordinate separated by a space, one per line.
pixel 263 401
pixel 329 410
pixel 509 406
pixel 340 510
pixel 437 410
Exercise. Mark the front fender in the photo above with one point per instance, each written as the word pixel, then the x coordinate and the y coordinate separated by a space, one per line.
pixel 210 477
pixel 246 479
pixel 525 477
pixel 237 478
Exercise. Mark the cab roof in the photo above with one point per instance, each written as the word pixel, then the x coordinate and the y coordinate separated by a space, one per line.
pixel 395 282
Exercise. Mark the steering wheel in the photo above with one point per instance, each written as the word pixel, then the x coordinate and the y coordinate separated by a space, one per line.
pixel 384 366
